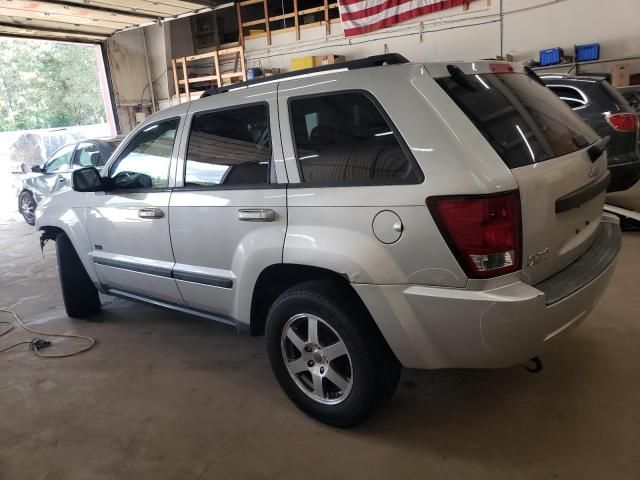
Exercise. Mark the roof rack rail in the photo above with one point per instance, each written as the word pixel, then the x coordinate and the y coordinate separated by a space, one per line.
pixel 373 61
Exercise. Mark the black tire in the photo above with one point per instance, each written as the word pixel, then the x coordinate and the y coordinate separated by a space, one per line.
pixel 26 207
pixel 374 369
pixel 78 291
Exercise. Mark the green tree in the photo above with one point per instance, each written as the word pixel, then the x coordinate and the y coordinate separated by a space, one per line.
pixel 48 84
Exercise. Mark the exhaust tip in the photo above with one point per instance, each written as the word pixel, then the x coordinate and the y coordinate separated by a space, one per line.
pixel 534 365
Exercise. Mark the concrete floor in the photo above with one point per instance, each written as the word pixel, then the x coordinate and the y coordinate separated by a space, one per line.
pixel 168 396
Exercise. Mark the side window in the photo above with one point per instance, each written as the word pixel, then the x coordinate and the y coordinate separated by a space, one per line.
pixel 229 147
pixel 570 96
pixel 343 139
pixel 60 160
pixel 88 155
pixel 144 163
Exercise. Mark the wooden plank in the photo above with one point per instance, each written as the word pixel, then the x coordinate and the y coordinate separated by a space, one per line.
pixel 326 18
pixel 307 11
pixel 216 66
pixel 175 78
pixel 227 51
pixel 207 78
pixel 190 58
pixel 266 16
pixel 240 32
pixel 228 75
pixel 296 19
pixel 183 60
pixel 243 67
pixel 281 17
pixel 253 22
pixel 246 3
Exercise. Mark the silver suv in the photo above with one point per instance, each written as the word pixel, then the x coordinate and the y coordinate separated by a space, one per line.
pixel 363 216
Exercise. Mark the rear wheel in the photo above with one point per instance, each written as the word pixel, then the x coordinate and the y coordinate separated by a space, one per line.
pixel 27 207
pixel 78 291
pixel 327 354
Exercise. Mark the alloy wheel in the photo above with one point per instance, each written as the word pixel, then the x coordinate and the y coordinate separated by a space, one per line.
pixel 317 358
pixel 27 208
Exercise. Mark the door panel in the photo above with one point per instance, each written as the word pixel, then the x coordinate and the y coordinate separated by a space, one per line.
pixel 216 252
pixel 228 219
pixel 131 252
pixel 56 174
pixel 129 227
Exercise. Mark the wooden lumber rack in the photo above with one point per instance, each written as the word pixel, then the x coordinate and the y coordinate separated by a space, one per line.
pixel 218 76
pixel 265 22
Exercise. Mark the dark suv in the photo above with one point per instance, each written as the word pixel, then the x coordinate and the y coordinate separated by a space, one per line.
pixel 609 114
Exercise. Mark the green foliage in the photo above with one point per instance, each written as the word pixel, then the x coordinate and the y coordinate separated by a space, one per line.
pixel 48 84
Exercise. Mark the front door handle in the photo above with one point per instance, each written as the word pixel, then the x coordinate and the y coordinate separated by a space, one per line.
pixel 256 215
pixel 150 213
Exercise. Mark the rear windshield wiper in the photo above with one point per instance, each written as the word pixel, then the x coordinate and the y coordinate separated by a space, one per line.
pixel 460 78
pixel 597 149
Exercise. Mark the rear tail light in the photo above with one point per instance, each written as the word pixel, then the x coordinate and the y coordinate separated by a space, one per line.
pixel 482 231
pixel 624 122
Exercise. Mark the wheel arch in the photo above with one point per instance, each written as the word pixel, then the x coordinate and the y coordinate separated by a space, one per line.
pixel 78 237
pixel 275 279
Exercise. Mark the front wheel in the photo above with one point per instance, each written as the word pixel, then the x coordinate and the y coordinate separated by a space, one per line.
pixel 27 207
pixel 327 354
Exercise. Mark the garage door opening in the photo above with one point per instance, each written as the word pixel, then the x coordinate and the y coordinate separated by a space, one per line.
pixel 51 94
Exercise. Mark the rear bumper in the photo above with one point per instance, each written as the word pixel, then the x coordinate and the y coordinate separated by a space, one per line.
pixel 430 327
pixel 625 171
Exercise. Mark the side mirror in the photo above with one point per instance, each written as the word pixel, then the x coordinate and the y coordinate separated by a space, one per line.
pixel 88 179
pixel 37 169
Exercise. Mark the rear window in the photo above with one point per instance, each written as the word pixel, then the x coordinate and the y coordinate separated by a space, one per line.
pixel 523 121
pixel 620 102
pixel 343 139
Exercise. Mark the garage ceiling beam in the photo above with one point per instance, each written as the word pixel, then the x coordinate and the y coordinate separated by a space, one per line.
pixel 26 26
pixel 87 5
pixel 52 38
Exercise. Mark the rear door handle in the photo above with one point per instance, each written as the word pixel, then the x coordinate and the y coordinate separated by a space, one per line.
pixel 61 178
pixel 150 213
pixel 256 215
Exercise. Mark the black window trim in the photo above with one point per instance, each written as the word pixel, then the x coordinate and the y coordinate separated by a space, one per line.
pixel 378 106
pixel 122 191
pixel 246 186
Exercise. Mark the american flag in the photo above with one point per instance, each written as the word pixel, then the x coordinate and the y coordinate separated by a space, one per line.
pixel 364 16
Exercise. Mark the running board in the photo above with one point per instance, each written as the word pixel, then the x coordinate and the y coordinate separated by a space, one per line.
pixel 134 297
